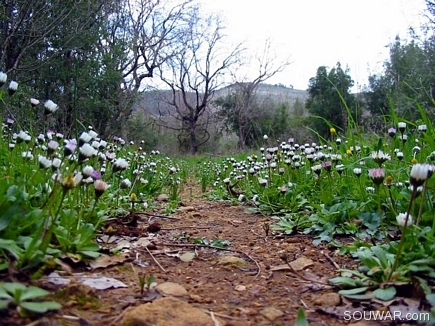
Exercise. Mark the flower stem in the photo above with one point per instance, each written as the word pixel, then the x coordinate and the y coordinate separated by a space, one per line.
pixel 402 239
pixel 420 211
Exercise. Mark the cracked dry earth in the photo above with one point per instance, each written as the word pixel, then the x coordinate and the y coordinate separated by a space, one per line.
pixel 247 284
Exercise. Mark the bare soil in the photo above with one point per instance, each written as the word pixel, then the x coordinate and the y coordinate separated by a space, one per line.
pixel 245 294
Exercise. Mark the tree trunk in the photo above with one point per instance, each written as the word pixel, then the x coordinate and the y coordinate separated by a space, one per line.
pixel 193 142
pixel 242 142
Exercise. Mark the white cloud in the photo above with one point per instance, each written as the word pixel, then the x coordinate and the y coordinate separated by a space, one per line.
pixel 319 32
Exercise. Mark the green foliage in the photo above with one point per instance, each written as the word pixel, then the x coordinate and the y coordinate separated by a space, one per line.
pixel 251 117
pixel 407 80
pixel 22 298
pixel 301 319
pixel 329 93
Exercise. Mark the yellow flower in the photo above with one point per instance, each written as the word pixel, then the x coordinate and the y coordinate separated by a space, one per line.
pixel 389 180
pixel 349 152
pixel 68 182
pixel 332 130
pixel 133 196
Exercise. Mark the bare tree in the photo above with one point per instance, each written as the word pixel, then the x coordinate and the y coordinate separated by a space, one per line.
pixel 193 75
pixel 244 109
pixel 148 33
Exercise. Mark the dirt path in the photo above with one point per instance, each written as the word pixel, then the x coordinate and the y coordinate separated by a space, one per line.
pixel 241 285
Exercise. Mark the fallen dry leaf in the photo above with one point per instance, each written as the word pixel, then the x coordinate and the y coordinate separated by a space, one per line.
pixel 105 261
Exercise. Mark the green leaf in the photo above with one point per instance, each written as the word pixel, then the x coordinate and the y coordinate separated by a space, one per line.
pixel 89 247
pixel 4 265
pixel 358 297
pixel 343 281
pixel 301 320
pixel 353 291
pixel 40 307
pixel 251 210
pixel 33 292
pixel 4 304
pixel 13 287
pixel 385 294
pixel 431 298
pixel 91 254
pixel 4 294
pixel 383 256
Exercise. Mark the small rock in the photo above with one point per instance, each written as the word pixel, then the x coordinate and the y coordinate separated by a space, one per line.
pixel 331 299
pixel 171 289
pixel 271 313
pixel 187 209
pixel 162 197
pixel 301 263
pixel 240 288
pixel 231 261
pixel 199 299
pixel 166 312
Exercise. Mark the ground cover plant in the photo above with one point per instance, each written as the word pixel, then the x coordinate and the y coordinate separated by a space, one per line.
pixel 370 196
pixel 376 190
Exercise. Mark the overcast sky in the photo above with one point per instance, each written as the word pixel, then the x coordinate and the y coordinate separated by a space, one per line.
pixel 321 32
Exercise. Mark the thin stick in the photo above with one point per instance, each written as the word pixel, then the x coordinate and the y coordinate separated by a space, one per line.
pixel 221 315
pixel 187 227
pixel 160 216
pixel 331 260
pixel 155 260
pixel 215 321
pixel 217 248
pixel 304 304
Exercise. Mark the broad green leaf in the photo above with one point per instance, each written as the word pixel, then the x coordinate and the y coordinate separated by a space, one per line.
pixel 343 281
pixel 358 297
pixel 40 307
pixel 353 291
pixel 385 294
pixel 4 294
pixel 4 304
pixel 420 268
pixel 301 320
pixel 90 247
pixel 13 287
pixel 4 265
pixel 431 299
pixel 33 292
pixel 91 254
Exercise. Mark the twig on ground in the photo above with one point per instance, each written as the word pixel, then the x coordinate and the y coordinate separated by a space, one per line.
pixel 192 245
pixel 157 215
pixel 259 235
pixel 155 260
pixel 215 321
pixel 187 227
pixel 221 315
pixel 304 304
pixel 331 260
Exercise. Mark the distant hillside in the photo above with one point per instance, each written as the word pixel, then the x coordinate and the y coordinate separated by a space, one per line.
pixel 153 101
pixel 280 92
